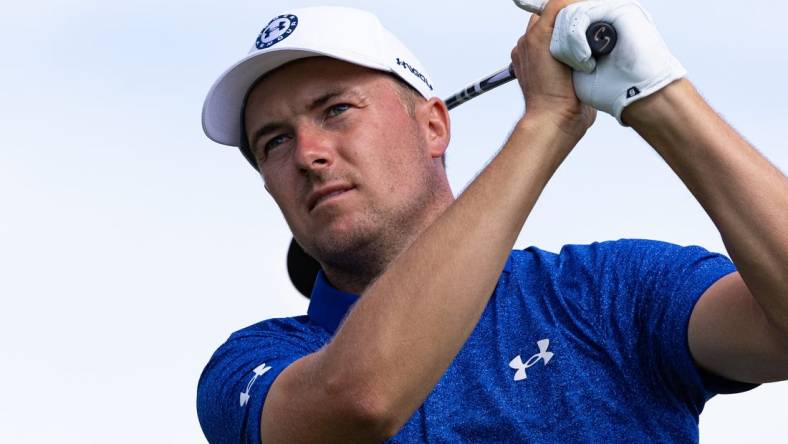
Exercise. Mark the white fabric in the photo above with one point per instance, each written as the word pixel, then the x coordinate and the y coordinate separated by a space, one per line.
pixel 347 34
pixel 640 64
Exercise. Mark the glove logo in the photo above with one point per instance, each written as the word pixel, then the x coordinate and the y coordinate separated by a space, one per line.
pixel 277 30
pixel 632 92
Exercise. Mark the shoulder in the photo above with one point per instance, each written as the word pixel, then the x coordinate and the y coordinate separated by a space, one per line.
pixel 587 255
pixel 297 327
pixel 291 334
pixel 281 340
pixel 236 379
pixel 623 265
pixel 598 253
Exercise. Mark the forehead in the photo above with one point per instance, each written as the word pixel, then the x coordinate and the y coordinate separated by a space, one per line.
pixel 310 78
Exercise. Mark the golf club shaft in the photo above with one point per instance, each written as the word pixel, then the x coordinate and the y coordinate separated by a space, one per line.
pixel 602 38
pixel 505 75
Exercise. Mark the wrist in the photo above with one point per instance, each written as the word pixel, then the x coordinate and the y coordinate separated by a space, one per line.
pixel 674 120
pixel 568 126
pixel 665 107
pixel 545 138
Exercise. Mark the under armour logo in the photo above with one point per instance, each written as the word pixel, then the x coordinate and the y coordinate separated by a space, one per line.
pixel 259 371
pixel 280 26
pixel 277 30
pixel 543 355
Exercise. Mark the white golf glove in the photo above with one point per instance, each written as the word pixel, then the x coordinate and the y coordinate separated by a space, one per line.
pixel 639 65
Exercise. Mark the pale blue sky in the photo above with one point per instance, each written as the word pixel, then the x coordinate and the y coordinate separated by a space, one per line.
pixel 131 246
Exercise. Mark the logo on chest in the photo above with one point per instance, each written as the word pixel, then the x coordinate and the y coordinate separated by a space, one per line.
pixel 543 355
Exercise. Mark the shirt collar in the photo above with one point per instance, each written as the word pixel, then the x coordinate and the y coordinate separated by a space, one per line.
pixel 328 306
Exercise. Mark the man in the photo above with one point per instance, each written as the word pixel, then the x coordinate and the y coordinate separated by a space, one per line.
pixel 424 326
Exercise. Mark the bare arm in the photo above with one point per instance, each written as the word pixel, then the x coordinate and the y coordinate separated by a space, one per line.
pixel 739 328
pixel 408 326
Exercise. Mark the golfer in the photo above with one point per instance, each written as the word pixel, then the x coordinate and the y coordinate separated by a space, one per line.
pixel 424 325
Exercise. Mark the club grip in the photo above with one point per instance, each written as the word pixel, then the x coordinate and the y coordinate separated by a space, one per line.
pixel 602 38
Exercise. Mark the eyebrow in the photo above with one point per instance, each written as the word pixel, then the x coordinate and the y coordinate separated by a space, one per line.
pixel 316 103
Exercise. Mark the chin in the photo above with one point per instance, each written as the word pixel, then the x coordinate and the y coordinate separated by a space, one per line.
pixel 342 241
pixel 343 244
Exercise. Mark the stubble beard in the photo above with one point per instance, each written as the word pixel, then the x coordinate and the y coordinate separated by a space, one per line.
pixel 377 237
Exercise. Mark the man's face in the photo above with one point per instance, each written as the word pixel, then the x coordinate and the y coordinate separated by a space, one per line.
pixel 349 166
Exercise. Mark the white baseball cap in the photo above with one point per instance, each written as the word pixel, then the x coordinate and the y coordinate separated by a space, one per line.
pixel 347 34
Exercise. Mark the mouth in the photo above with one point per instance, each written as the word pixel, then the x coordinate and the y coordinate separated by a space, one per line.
pixel 325 194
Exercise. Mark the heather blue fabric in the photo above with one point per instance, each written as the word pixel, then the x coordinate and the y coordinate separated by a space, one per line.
pixel 615 314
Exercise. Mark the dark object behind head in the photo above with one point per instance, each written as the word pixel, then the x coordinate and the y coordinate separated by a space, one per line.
pixel 302 269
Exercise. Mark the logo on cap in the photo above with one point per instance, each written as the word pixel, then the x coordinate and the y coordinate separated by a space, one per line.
pixel 277 30
pixel 415 72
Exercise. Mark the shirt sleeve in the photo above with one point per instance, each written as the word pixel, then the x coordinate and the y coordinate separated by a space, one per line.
pixel 653 287
pixel 235 382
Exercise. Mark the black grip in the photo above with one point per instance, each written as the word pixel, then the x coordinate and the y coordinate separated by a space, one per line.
pixel 602 38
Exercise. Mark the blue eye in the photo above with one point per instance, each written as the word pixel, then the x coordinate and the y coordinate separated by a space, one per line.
pixel 274 142
pixel 337 109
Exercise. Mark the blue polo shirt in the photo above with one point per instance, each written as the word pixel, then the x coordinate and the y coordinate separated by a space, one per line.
pixel 587 345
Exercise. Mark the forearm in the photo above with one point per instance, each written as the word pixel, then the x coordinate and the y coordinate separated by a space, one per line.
pixel 409 325
pixel 745 196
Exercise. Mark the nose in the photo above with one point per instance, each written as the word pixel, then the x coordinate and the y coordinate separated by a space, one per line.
pixel 315 148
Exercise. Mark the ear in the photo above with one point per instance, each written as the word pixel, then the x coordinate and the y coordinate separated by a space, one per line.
pixel 434 117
